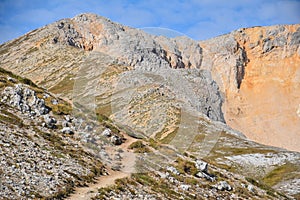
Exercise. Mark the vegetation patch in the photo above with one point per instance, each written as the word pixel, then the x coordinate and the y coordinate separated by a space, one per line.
pixel 170 136
pixel 270 191
pixel 63 108
pixel 64 86
pixel 279 174
pixel 139 147
pixel 10 118
pixel 186 167
pixel 20 79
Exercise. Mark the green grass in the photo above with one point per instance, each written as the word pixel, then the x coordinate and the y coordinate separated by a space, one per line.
pixel 63 108
pixel 104 110
pixel 279 174
pixel 159 186
pixel 106 122
pixel 64 86
pixel 139 147
pixel 270 191
pixel 144 181
pixel 170 136
pixel 186 167
pixel 18 78
pixel 10 118
pixel 153 143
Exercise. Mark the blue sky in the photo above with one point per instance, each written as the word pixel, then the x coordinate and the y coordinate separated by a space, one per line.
pixel 198 19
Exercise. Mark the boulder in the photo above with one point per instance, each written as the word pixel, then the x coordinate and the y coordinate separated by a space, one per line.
pixel 106 132
pixel 201 165
pixel 223 185
pixel 116 140
pixel 206 176
pixel 250 188
pixel 49 121
pixel 54 101
pixel 68 118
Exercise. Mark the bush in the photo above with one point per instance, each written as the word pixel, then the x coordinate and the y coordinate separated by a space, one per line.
pixel 185 166
pixel 139 147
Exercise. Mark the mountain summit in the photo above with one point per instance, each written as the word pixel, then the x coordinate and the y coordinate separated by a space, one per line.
pixel 90 85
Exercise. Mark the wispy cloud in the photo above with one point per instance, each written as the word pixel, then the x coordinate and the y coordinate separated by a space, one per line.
pixel 199 19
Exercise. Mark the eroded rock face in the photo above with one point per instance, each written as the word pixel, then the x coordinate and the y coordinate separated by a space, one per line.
pixel 262 99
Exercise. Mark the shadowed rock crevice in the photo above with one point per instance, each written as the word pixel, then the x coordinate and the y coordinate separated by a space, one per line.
pixel 241 64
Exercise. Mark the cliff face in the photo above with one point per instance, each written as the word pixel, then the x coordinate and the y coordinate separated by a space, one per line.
pixel 258 71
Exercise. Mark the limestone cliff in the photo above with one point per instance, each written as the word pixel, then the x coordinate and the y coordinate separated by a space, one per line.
pixel 258 70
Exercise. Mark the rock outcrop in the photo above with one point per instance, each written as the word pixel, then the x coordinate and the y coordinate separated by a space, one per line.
pixel 258 71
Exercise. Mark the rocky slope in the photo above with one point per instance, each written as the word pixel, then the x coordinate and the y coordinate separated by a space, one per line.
pixel 46 153
pixel 39 155
pixel 175 95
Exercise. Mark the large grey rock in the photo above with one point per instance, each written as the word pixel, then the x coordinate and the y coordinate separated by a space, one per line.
pixel 206 176
pixel 106 132
pixel 267 45
pixel 116 140
pixel 201 165
pixel 24 99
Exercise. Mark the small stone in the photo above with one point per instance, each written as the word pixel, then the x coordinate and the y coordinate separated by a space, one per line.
pixel 65 124
pixel 173 170
pixel 89 128
pixel 11 79
pixel 250 188
pixel 185 187
pixel 54 101
pixel 67 130
pixel 106 132
pixel 49 121
pixel 68 118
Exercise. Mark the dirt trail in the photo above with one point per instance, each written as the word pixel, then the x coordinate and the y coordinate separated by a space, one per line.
pixel 83 193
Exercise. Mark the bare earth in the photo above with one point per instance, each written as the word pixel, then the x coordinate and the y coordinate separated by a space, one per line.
pixel 83 193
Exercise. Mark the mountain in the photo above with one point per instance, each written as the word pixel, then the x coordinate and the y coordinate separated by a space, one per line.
pixel 109 101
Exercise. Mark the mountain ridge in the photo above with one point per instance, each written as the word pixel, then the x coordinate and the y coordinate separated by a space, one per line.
pixel 170 92
pixel 225 58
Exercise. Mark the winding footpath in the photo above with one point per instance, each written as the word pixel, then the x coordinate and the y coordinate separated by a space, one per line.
pixel 84 193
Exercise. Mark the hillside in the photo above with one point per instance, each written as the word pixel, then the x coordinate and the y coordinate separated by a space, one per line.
pixel 100 98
